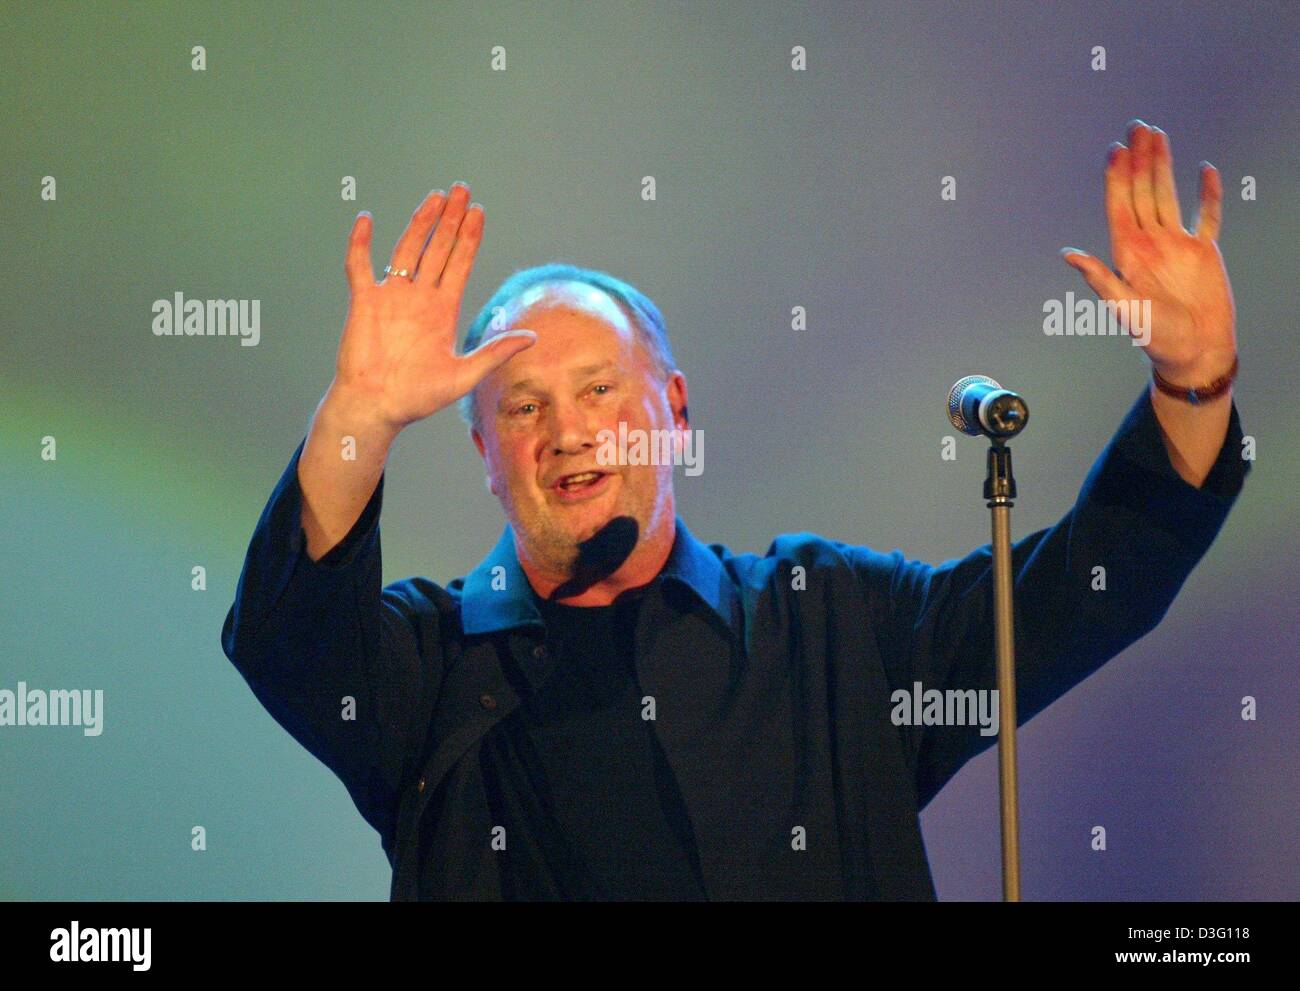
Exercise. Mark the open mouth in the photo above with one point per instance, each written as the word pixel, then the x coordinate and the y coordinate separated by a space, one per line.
pixel 582 486
pixel 579 481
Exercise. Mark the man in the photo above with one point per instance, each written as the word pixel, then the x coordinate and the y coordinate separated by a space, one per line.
pixel 608 709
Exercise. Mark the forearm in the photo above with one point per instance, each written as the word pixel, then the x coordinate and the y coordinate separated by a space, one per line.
pixel 1193 434
pixel 344 456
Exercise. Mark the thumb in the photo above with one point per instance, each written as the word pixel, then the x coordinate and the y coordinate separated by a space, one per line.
pixel 496 351
pixel 1105 283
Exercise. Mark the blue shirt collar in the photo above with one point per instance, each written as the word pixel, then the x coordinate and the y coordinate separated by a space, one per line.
pixel 496 594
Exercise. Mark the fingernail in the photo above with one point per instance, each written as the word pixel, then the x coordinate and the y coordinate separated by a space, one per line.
pixel 1071 251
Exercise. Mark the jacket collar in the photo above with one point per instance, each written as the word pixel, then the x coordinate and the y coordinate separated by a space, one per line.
pixel 497 596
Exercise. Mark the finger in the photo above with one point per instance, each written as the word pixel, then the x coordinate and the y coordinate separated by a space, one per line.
pixel 1144 199
pixel 1211 212
pixel 1119 194
pixel 407 253
pixel 357 261
pixel 456 274
pixel 435 254
pixel 1105 283
pixel 1166 192
pixel 492 354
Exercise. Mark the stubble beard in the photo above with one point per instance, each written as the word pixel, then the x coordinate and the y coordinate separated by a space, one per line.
pixel 559 548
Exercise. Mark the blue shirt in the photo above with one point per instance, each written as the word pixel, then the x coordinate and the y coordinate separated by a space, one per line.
pixel 772 675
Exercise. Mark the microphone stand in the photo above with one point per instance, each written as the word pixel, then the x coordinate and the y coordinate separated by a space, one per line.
pixel 1000 490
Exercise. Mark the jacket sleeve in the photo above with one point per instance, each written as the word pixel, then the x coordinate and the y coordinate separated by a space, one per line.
pixel 1135 517
pixel 331 655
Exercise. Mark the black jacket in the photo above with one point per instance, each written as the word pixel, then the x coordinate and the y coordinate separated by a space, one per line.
pixel 773 700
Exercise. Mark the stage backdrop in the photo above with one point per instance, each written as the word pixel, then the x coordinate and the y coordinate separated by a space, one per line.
pixel 206 150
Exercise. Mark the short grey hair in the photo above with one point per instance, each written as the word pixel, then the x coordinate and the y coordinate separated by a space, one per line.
pixel 640 310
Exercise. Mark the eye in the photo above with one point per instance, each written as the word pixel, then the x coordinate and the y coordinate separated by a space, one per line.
pixel 522 408
pixel 595 387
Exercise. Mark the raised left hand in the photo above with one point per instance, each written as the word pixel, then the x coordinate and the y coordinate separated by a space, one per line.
pixel 1193 321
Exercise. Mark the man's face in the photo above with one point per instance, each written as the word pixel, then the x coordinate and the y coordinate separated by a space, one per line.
pixel 541 414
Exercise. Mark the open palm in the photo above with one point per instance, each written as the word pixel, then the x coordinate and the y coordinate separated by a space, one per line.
pixel 1181 272
pixel 399 343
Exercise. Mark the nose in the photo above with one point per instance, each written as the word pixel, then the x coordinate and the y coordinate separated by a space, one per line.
pixel 570 430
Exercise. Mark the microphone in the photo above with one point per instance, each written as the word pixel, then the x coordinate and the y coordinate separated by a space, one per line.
pixel 978 405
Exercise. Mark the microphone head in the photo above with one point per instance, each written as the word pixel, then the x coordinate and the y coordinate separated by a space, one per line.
pixel 954 402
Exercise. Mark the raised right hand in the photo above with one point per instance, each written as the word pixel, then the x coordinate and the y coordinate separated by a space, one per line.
pixel 397 358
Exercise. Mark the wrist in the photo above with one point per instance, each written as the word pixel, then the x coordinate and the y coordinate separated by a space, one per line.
pixel 1207 367
pixel 1198 387
pixel 352 412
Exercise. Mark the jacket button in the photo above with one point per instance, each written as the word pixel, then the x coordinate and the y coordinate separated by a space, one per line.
pixel 539 653
pixel 420 786
pixel 487 701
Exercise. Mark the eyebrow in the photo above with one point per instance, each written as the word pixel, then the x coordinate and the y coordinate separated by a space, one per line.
pixel 526 385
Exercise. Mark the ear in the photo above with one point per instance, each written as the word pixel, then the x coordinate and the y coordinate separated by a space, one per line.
pixel 677 400
pixel 477 438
